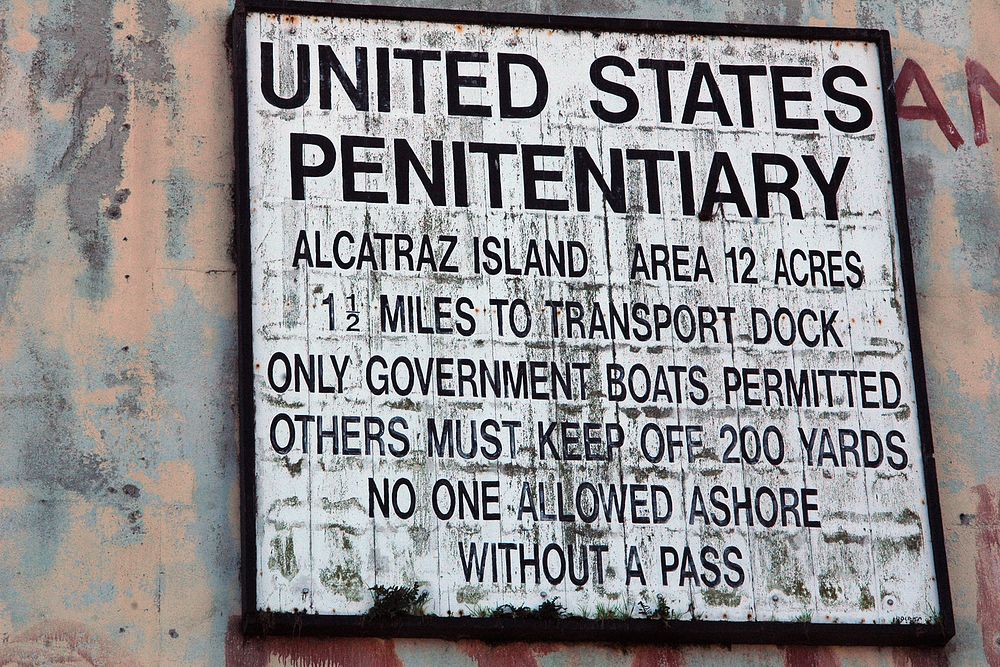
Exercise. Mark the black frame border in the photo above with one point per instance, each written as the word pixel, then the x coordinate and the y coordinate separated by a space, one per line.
pixel 633 631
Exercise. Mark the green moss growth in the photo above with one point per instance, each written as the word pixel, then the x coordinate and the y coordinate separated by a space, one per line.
pixel 867 600
pixel 661 612
pixel 282 557
pixel 828 592
pixel 343 580
pixel 717 598
pixel 549 610
pixel 609 612
pixel 798 590
pixel 397 601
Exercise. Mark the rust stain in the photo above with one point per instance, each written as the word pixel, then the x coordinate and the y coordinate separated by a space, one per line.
pixel 504 655
pixel 307 651
pixel 656 656
pixel 808 656
pixel 919 657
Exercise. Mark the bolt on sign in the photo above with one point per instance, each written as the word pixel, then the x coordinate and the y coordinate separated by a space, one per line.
pixel 565 328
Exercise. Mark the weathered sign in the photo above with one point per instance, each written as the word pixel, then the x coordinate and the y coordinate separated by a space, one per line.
pixel 598 321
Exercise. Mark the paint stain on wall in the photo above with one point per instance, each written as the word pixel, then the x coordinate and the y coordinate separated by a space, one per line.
pixel 62 643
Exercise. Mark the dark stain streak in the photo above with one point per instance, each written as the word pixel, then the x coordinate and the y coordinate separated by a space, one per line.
pixel 77 60
pixel 48 451
pixel 180 197
pixel 988 571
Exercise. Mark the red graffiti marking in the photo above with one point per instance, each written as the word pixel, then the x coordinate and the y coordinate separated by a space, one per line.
pixel 978 78
pixel 307 651
pixel 988 571
pixel 931 109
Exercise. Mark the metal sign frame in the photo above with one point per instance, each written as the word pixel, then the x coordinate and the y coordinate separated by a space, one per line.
pixel 261 622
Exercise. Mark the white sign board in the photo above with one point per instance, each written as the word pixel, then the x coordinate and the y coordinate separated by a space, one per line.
pixel 610 319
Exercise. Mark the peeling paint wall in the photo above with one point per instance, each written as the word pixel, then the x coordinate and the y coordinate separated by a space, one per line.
pixel 118 486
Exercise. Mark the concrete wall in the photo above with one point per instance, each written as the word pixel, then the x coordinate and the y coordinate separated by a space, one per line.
pixel 118 473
